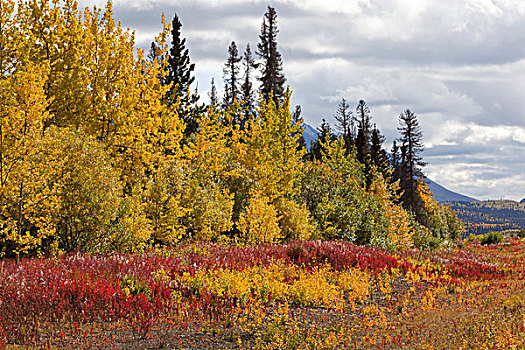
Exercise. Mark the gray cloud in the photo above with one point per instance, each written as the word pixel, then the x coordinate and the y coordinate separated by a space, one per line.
pixel 459 65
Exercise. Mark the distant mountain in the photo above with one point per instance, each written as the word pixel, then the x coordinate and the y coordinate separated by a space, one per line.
pixel 310 134
pixel 445 195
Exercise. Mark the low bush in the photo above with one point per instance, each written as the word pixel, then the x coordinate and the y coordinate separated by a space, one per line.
pixel 492 238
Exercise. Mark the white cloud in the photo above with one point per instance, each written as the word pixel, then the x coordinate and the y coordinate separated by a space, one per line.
pixel 488 134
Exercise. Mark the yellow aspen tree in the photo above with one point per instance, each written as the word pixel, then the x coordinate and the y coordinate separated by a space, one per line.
pixel 162 136
pixel 259 223
pixel 88 190
pixel 438 218
pixel 109 64
pixel 141 133
pixel 25 198
pixel 399 230
pixel 99 87
pixel 56 36
pixel 210 166
pixel 275 166
pixel 26 201
pixel 163 204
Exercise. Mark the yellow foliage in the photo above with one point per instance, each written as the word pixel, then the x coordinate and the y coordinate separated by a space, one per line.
pixel 439 219
pixel 26 200
pixel 319 286
pixel 295 220
pixel 260 221
pixel 209 167
pixel 399 230
pixel 87 187
pixel 163 205
pixel 79 71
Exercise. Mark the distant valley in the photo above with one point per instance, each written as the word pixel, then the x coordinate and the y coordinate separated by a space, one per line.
pixel 480 217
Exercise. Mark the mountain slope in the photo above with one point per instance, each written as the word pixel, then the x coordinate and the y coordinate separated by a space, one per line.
pixel 443 194
pixel 310 134
pixel 495 215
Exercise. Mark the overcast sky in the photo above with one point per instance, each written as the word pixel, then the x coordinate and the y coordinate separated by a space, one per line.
pixel 459 65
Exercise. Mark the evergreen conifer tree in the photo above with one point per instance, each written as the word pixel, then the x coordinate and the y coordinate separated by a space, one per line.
pixel 214 99
pixel 231 75
pixel 325 134
pixel 153 53
pixel 180 74
pixel 411 160
pixel 395 154
pixel 362 141
pixel 247 93
pixel 296 119
pixel 345 123
pixel 378 155
pixel 395 161
pixel 272 78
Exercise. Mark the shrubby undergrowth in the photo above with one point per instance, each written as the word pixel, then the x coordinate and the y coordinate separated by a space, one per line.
pixel 300 295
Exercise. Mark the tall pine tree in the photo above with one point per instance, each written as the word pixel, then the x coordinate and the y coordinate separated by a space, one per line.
pixel 362 141
pixel 180 75
pixel 214 99
pixel 272 78
pixel 345 123
pixel 247 93
pixel 231 75
pixel 378 155
pixel 411 160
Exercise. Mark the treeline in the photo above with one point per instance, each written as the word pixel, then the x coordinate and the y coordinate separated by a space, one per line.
pixel 104 148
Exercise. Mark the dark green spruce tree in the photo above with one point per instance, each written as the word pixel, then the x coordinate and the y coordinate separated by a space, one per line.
pixel 247 92
pixel 317 148
pixel 272 77
pixel 296 119
pixel 231 76
pixel 411 162
pixel 214 98
pixel 180 75
pixel 362 140
pixel 345 123
pixel 378 156
pixel 395 161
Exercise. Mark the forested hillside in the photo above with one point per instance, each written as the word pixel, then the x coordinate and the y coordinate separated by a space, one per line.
pixel 485 216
